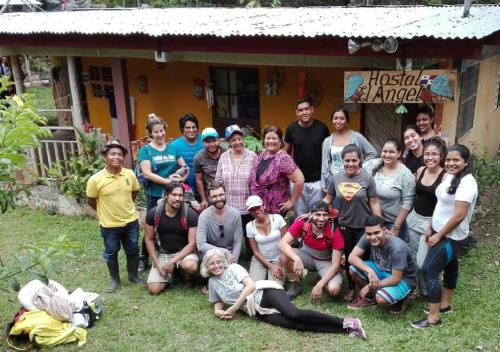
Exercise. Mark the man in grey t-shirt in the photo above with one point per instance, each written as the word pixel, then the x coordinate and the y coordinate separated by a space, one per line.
pixel 390 274
pixel 219 226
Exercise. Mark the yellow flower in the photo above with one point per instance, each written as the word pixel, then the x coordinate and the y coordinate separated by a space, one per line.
pixel 19 101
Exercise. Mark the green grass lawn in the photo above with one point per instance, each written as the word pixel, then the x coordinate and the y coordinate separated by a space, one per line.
pixel 182 319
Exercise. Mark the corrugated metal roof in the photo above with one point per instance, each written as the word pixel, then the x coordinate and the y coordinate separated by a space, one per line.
pixel 402 22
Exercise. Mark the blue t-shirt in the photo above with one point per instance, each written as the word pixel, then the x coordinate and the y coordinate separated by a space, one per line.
pixel 187 152
pixel 165 162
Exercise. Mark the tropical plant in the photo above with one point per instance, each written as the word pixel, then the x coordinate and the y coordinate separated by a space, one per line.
pixel 79 167
pixel 37 259
pixel 20 128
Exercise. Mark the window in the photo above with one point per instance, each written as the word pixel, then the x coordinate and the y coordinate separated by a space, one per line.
pixel 468 90
pixel 496 102
pixel 100 79
pixel 236 96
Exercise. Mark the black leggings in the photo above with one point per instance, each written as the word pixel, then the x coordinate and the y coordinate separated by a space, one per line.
pixel 292 317
pixel 351 237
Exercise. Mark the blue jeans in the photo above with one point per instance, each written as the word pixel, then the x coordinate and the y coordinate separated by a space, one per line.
pixel 126 235
pixel 403 230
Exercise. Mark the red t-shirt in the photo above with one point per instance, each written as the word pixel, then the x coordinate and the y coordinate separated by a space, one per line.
pixel 319 244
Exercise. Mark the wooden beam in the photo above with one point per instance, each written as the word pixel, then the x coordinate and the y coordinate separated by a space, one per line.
pixel 17 74
pixel 76 108
pixel 122 102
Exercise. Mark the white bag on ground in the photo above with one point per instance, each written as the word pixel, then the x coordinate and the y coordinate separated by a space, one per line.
pixel 52 298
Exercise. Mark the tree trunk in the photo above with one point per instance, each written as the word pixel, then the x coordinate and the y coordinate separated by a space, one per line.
pixel 61 90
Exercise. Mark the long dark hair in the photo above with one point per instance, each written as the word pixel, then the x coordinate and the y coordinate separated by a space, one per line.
pixel 441 147
pixel 465 154
pixel 399 148
pixel 343 110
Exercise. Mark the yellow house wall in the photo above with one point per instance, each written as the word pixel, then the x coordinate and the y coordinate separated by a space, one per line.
pixel 170 94
pixel 98 107
pixel 484 135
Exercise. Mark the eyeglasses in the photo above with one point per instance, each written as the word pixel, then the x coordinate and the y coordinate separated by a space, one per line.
pixel 214 263
pixel 221 230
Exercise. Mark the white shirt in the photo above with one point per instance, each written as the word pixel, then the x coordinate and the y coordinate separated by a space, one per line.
pixel 467 191
pixel 268 244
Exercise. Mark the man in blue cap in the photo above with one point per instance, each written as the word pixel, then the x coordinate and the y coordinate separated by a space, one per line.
pixel 205 162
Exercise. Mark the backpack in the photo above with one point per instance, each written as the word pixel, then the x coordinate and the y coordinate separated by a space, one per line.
pixel 308 224
pixel 138 172
pixel 160 208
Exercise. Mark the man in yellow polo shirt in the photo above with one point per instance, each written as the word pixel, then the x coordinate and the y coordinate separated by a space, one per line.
pixel 112 192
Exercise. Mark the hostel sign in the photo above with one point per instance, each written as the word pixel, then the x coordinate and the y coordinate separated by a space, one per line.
pixel 422 86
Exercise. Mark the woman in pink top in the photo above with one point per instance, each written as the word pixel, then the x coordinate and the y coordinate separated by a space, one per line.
pixel 272 172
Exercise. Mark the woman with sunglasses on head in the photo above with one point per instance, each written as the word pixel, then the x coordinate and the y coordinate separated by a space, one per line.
pixel 428 177
pixel 354 190
pixel 272 173
pixel 413 155
pixel 158 162
pixel 264 234
pixel 395 187
pixel 341 136
pixel 456 198
pixel 232 285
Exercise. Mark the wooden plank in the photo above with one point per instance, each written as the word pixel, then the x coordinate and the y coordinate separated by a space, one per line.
pixel 419 86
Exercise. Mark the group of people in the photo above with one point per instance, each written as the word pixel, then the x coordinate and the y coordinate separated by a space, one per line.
pixel 392 224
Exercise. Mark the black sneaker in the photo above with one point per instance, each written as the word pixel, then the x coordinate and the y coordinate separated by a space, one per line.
pixel 424 323
pixel 446 310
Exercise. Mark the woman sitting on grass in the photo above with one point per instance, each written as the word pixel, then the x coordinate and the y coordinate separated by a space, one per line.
pixel 231 285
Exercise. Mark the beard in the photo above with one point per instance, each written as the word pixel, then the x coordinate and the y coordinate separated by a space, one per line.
pixel 219 204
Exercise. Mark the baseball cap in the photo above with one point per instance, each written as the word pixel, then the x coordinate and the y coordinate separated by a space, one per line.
pixel 209 132
pixel 253 201
pixel 113 144
pixel 230 130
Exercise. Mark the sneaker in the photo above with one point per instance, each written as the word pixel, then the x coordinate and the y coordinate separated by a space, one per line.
pixel 354 328
pixel 361 302
pixel 424 323
pixel 446 310
pixel 400 306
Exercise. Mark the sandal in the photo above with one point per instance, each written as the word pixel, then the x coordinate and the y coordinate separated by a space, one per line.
pixel 349 296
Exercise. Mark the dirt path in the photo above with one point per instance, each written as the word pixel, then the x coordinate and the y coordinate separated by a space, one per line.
pixel 486 221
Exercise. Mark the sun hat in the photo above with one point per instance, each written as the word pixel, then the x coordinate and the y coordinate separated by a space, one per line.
pixel 113 144
pixel 253 201
pixel 209 132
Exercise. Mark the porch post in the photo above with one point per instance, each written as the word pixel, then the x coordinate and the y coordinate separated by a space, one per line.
pixel 122 102
pixel 17 73
pixel 76 106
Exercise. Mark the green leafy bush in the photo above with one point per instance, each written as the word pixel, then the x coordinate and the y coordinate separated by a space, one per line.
pixel 486 172
pixel 20 128
pixel 79 167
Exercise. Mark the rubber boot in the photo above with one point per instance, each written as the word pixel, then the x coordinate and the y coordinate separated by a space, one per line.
pixel 132 265
pixel 114 272
pixel 296 286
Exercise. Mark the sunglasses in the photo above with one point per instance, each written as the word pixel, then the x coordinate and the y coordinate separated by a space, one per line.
pixel 221 229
